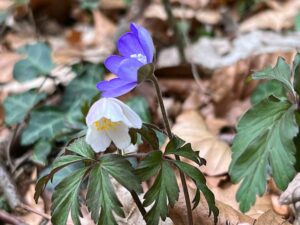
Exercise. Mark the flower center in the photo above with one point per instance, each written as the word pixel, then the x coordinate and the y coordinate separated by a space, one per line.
pixel 140 57
pixel 105 124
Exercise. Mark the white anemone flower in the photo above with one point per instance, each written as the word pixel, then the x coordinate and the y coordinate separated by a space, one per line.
pixel 109 120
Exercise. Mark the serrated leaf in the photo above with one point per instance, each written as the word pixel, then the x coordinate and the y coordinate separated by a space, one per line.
pixel 280 72
pixel 264 138
pixel 102 200
pixel 38 62
pixel 200 182
pixel 164 191
pixel 41 150
pixel 17 106
pixel 267 89
pixel 141 107
pixel 45 123
pixel 148 135
pixel 65 199
pixel 296 72
pixel 80 147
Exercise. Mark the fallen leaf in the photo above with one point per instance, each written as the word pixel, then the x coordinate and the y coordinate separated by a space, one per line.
pixel 7 62
pixel 191 127
pixel 271 218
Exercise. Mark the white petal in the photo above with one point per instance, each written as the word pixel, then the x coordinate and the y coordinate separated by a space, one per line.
pixel 130 149
pixel 120 136
pixel 131 116
pixel 98 140
pixel 105 107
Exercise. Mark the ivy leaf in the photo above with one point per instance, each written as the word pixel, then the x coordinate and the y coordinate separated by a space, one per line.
pixel 176 146
pixel 281 72
pixel 267 89
pixel 80 147
pixel 200 182
pixel 37 63
pixel 41 150
pixel 164 191
pixel 141 107
pixel 45 123
pixel 17 106
pixel 264 138
pixel 65 198
pixel 102 200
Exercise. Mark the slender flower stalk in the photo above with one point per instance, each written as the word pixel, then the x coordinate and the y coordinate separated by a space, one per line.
pixel 169 132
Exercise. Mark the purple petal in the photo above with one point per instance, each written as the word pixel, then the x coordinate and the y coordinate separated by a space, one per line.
pixel 111 84
pixel 112 63
pixel 145 40
pixel 128 69
pixel 128 45
pixel 119 91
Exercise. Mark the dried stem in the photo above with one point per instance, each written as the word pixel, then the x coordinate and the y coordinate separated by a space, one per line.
pixel 10 219
pixel 177 32
pixel 169 132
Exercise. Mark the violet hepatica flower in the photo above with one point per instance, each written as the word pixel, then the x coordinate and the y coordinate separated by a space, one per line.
pixel 109 120
pixel 136 49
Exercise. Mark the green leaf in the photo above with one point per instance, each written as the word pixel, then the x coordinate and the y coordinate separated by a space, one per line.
pixel 200 182
pixel 80 147
pixel 89 4
pixel 65 198
pixel 17 106
pixel 41 150
pixel 37 63
pixel 264 138
pixel 164 191
pixel 296 73
pixel 281 72
pixel 266 89
pixel 3 16
pixel 45 123
pixel 141 107
pixel 102 200
pixel 297 22
pixel 176 146
pixel 148 135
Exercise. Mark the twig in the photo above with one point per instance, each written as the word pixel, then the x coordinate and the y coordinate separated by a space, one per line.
pixel 138 203
pixel 178 34
pixel 169 132
pixel 10 219
pixel 30 209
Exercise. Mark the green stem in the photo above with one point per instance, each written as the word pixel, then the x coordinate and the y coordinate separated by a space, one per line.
pixel 169 132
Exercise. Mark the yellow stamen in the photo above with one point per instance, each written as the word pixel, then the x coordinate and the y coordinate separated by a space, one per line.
pixel 105 124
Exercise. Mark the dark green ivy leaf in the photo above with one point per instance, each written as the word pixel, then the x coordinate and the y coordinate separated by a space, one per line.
pixel 38 62
pixel 41 150
pixel 102 200
pixel 164 191
pixel 17 106
pixel 264 138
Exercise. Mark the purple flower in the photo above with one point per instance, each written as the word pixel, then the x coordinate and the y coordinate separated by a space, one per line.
pixel 136 49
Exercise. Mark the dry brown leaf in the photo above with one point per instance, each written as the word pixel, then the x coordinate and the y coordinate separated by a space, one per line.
pixel 271 218
pixel 7 62
pixel 279 208
pixel 191 127
pixel 276 19
pixel 112 4
pixel 5 4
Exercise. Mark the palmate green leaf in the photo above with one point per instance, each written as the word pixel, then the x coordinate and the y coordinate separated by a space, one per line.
pixel 200 182
pixel 45 123
pixel 102 200
pixel 38 62
pixel 148 135
pixel 80 147
pixel 296 72
pixel 267 89
pixel 65 198
pixel 281 72
pixel 264 138
pixel 17 106
pixel 164 191
pixel 177 147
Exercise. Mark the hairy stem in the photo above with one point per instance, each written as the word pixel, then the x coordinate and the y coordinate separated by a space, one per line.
pixel 169 132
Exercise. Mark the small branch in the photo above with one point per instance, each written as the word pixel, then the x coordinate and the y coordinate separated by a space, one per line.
pixel 32 210
pixel 177 32
pixel 10 219
pixel 169 132
pixel 138 203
